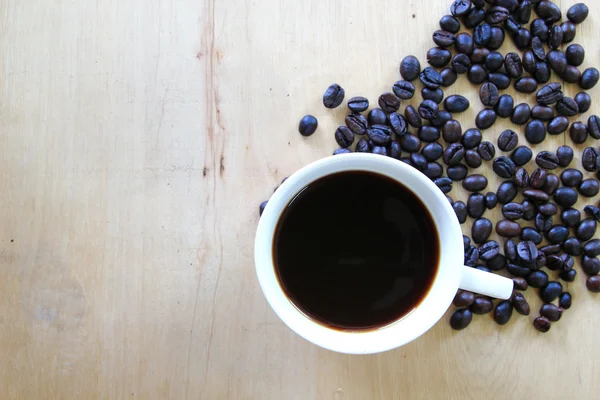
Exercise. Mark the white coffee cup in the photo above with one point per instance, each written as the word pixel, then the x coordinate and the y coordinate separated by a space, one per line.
pixel 451 274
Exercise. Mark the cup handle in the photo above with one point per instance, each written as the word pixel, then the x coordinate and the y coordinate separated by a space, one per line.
pixel 486 283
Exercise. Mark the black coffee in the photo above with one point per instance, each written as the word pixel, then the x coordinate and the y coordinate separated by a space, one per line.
pixel 347 284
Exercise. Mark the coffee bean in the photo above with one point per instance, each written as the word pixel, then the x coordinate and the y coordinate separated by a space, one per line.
pixel 550 311
pixel 410 67
pixel 363 146
pixel 378 136
pixel 460 209
pixel 542 72
pixel 568 276
pixel 443 38
pixel 456 104
pixel 551 249
pixel 590 159
pixel 570 217
pixel 539 29
pixel 452 131
pixel 488 94
pixel 489 250
pixel 567 107
pixel 505 106
pixel 460 7
pixel 445 184
pixel 558 125
pixel 565 300
pixel 460 319
pixel 584 102
pixel 548 209
pixel 344 136
pixel 547 160
pixel 482 305
pixel 435 95
pixel 527 253
pixel 555 37
pixel 457 172
pixel 589 188
pixel 428 133
pixel 383 151
pixel 461 63
pixel 334 96
pixel 471 256
pixel 586 229
pixel 464 43
pixel 565 197
pixel 504 167
pixel 410 143
pixel 557 61
pixel 507 228
pixel 593 284
pixel 503 312
pixel 449 77
pixel 463 298
pixel 529 62
pixel 569 31
pixel 485 119
pixel 510 250
pixel 497 263
pixel 512 26
pixel 523 12
pixel 475 183
pixel 486 151
pixel 565 156
pixel 557 234
pixel 439 57
pixel 590 265
pixel 572 246
pixel 531 235
pixel 342 151
pixel 497 38
pixel 589 78
pixel 543 113
pixel 357 123
pixel 473 159
pixel 477 74
pixel 433 170
pixel 548 11
pixel 571 74
pixel 522 39
pixel 529 211
pixel 520 283
pixel 494 61
pixel 508 140
pixel 593 212
pixel 454 154
pixel 433 151
pixel 521 114
pixel 442 117
pixel 420 162
pixel 517 270
pixel 549 94
pixel 513 65
pixel 428 109
pixel 466 242
pixel 476 205
pixel 552 183
pixel 359 104
pixel 474 17
pixel 578 13
pixel 538 48
pixel 537 279
pixel 575 54
pixel 526 84
pixel 450 24
pixel 535 131
pixel 482 34
pixel 308 125
pixel 404 90
pixel 520 304
pixel 491 200
pixel 378 116
pixel 496 15
pixel 521 155
pixel 542 324
pixel 571 177
pixel 507 191
pixel 512 211
pixel 389 102
pixel 550 292
pixel 522 177
pixel 412 117
pixel 481 230
pixel 538 178
pixel 543 223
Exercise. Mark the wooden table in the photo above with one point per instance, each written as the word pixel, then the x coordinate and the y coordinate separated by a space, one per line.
pixel 139 137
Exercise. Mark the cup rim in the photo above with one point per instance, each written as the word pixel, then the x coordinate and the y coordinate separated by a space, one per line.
pixel 410 326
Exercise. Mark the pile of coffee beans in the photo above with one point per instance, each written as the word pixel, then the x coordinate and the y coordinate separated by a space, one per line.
pixel 543 234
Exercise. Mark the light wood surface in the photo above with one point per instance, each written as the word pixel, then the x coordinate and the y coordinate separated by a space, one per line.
pixel 139 137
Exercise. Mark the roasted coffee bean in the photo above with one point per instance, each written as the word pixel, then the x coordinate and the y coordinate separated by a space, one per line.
pixel 512 211
pixel 571 74
pixel 584 102
pixel 454 154
pixel 555 261
pixel 473 159
pixel 522 39
pixel 439 57
pixel 566 197
pixel 456 104
pixel 569 31
pixel 507 228
pixel 523 11
pixel 537 279
pixel 344 136
pixel 378 136
pixel 539 29
pixel 488 94
pixel 521 114
pixel 489 250
pixel 450 24
pixel 476 205
pixel 548 11
pixel 586 229
pixel 529 61
pixel 526 84
pixel 494 61
pixel 513 65
pixel 482 34
pixel 342 151
pixel 460 209
pixel 551 312
pixel 449 77
pixel 457 172
pixel 505 106
pixel 334 96
pixel 486 150
pixel 549 94
pixel 590 159
pixel 452 131
pixel 532 235
pixel 412 117
pixel 507 191
pixel 555 37
pixel 482 305
pixel 363 146
pixel 404 90
pixel 578 13
pixel 435 95
pixel 528 253
pixel 442 117
pixel 464 43
pixel 568 276
pixel 512 27
pixel 521 155
pixel 433 151
pixel 575 54
pixel 445 184
pixel 589 78
pixel 503 312
pixel 460 7
pixel 463 298
pixel 378 116
pixel 481 230
pixel 590 265
pixel 535 131
pixel 547 160
pixel 548 209
pixel 432 170
pixel 572 246
pixel 395 150
pixel 383 151
pixel 520 304
pixel 410 67
pixel 358 104
pixel 542 72
pixel 543 113
pixel 443 38
pixel 571 177
pixel 308 125
pixel 570 217
pixel 593 284
pixel 486 118
pixel 567 107
pixel 466 241
pixel 542 324
pixel 565 156
pixel 504 167
pixel 589 188
pixel 496 15
pixel 558 125
pixel 491 200
pixel 461 318
pixel 550 292
pixel 551 249
pixel 510 250
pixel 557 234
pixel 593 212
pixel 475 183
pixel 389 102
pixel 517 270
pixel 477 74
pixel 552 183
pixel 520 283
pixel 357 123
pixel 498 263
pixel 565 300
pixel 419 162
pixel 538 48
pixel 497 38
pixel 398 124
pixel 543 223
pixel 538 178
pixel 471 256
pixel 430 78
pixel 529 211
pixel 428 109
pixel 410 143
pixel 522 177
pixel 461 63
pixel 508 140
pixel 557 61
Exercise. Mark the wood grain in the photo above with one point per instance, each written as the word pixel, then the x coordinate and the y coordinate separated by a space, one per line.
pixel 138 139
